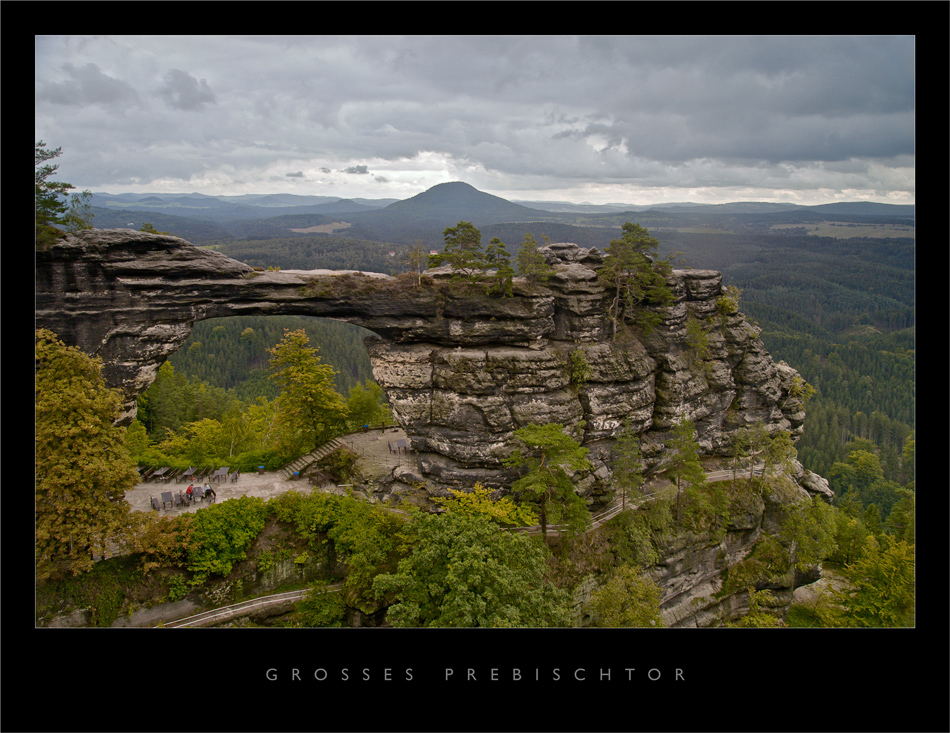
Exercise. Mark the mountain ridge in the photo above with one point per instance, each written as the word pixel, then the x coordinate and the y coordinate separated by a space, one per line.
pixel 453 192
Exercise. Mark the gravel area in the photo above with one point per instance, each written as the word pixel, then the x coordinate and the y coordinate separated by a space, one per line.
pixel 376 463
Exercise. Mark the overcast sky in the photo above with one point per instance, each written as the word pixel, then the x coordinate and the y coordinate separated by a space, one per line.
pixel 627 119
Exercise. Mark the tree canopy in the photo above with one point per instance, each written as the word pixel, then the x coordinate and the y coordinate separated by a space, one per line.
pixel 462 571
pixel 83 467
pixel 54 211
pixel 311 411
pixel 546 451
pixel 636 276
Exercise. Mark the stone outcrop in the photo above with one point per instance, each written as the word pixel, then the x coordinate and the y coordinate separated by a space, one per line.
pixel 462 371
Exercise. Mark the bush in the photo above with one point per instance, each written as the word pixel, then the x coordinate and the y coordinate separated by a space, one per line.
pixel 221 535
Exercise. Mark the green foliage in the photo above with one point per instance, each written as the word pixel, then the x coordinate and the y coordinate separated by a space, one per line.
pixel 901 522
pixel 861 480
pixel 462 571
pixel 173 400
pixel 685 468
pixel 881 585
pixel 627 462
pixel 579 370
pixel 479 501
pixel 322 608
pixel 636 277
pixel 810 528
pixel 530 263
pixel 547 451
pixel 462 251
pixel 697 343
pixel 52 207
pixel 310 410
pixel 627 599
pixel 221 534
pixel 631 534
pixel 499 272
pixel 82 466
pixel 758 616
pixel 234 354
pixel 363 536
pixel 366 405
pixel 417 259
pixel 768 562
pixel 727 304
pixel 148 228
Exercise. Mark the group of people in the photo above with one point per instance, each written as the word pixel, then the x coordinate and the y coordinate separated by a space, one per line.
pixel 205 491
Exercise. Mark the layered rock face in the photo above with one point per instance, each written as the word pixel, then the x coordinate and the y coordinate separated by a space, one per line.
pixel 462 371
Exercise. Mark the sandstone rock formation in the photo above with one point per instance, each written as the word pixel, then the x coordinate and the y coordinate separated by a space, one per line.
pixel 462 371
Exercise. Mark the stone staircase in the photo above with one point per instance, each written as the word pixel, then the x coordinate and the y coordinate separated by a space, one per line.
pixel 302 465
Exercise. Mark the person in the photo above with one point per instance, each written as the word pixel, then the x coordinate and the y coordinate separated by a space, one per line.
pixel 210 492
pixel 189 491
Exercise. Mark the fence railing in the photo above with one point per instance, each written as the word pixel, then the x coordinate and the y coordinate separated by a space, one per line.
pixel 243 608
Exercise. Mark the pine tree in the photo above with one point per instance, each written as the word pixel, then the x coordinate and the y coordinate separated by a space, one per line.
pixel 636 277
pixel 311 410
pixel 530 263
pixel 463 251
pixel 497 259
pixel 686 469
pixel 547 450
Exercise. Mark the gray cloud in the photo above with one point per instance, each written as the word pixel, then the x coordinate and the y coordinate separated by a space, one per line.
pixel 183 91
pixel 636 117
pixel 86 85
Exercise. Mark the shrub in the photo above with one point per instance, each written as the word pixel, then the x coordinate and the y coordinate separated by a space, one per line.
pixel 222 533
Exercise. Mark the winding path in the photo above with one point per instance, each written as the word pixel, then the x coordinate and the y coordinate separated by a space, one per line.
pixel 243 608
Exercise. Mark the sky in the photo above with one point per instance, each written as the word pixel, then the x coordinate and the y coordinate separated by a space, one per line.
pixel 597 119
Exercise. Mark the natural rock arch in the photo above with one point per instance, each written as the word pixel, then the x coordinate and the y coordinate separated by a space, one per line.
pixel 462 371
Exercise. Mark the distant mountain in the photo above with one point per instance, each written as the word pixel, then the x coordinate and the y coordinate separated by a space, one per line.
pixel 422 218
pixel 865 208
pixel 455 202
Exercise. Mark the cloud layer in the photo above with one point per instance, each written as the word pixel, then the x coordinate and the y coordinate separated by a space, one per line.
pixel 621 118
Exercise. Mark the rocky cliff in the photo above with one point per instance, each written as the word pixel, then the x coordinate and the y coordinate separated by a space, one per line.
pixel 462 371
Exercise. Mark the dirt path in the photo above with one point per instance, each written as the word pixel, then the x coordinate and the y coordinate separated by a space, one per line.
pixel 376 463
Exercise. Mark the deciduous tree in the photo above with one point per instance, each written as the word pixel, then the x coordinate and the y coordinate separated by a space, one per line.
pixel 479 501
pixel 463 572
pixel 881 585
pixel 83 467
pixel 627 599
